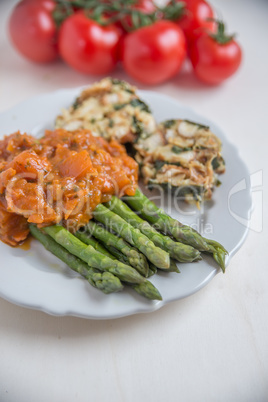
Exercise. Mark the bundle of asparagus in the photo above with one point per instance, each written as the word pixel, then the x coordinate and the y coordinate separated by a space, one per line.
pixel 119 246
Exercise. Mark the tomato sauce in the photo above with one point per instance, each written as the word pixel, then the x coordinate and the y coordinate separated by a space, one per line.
pixel 60 178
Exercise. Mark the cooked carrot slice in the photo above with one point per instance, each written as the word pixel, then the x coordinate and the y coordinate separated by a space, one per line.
pixel 77 165
pixel 30 163
pixel 5 176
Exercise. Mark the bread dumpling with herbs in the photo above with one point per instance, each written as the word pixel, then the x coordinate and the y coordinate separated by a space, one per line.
pixel 181 155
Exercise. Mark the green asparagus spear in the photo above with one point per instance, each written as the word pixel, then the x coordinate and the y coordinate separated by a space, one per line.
pixel 185 234
pixel 135 258
pixel 179 251
pixel 218 253
pixel 152 269
pixel 156 216
pixel 117 255
pixel 92 257
pixel 104 281
pixel 107 250
pixel 90 241
pixel 157 256
pixel 146 288
pixel 173 267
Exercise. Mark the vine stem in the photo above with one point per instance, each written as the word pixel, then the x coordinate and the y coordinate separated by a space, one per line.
pixel 106 12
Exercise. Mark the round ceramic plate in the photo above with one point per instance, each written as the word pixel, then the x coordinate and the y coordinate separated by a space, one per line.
pixel 36 279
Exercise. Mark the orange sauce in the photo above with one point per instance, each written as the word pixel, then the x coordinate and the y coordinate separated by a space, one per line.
pixel 60 178
pixel 26 245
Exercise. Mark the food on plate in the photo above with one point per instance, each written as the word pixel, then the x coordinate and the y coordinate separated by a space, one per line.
pixel 178 154
pixel 181 155
pixel 173 228
pixel 76 189
pixel 104 281
pixel 103 277
pixel 136 238
pixel 118 247
pixel 94 259
pixel 49 180
pixel 179 251
pixel 110 108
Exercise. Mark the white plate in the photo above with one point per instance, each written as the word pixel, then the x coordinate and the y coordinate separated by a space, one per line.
pixel 36 279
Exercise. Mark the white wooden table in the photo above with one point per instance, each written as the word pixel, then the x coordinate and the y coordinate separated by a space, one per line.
pixel 212 346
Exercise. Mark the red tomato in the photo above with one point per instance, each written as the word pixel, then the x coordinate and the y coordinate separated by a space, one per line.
pixel 87 46
pixel 213 62
pixel 154 53
pixel 195 20
pixel 33 31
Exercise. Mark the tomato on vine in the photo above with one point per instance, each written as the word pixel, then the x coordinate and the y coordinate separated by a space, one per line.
pixel 33 30
pixel 198 17
pixel 215 56
pixel 87 46
pixel 154 53
pixel 93 35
